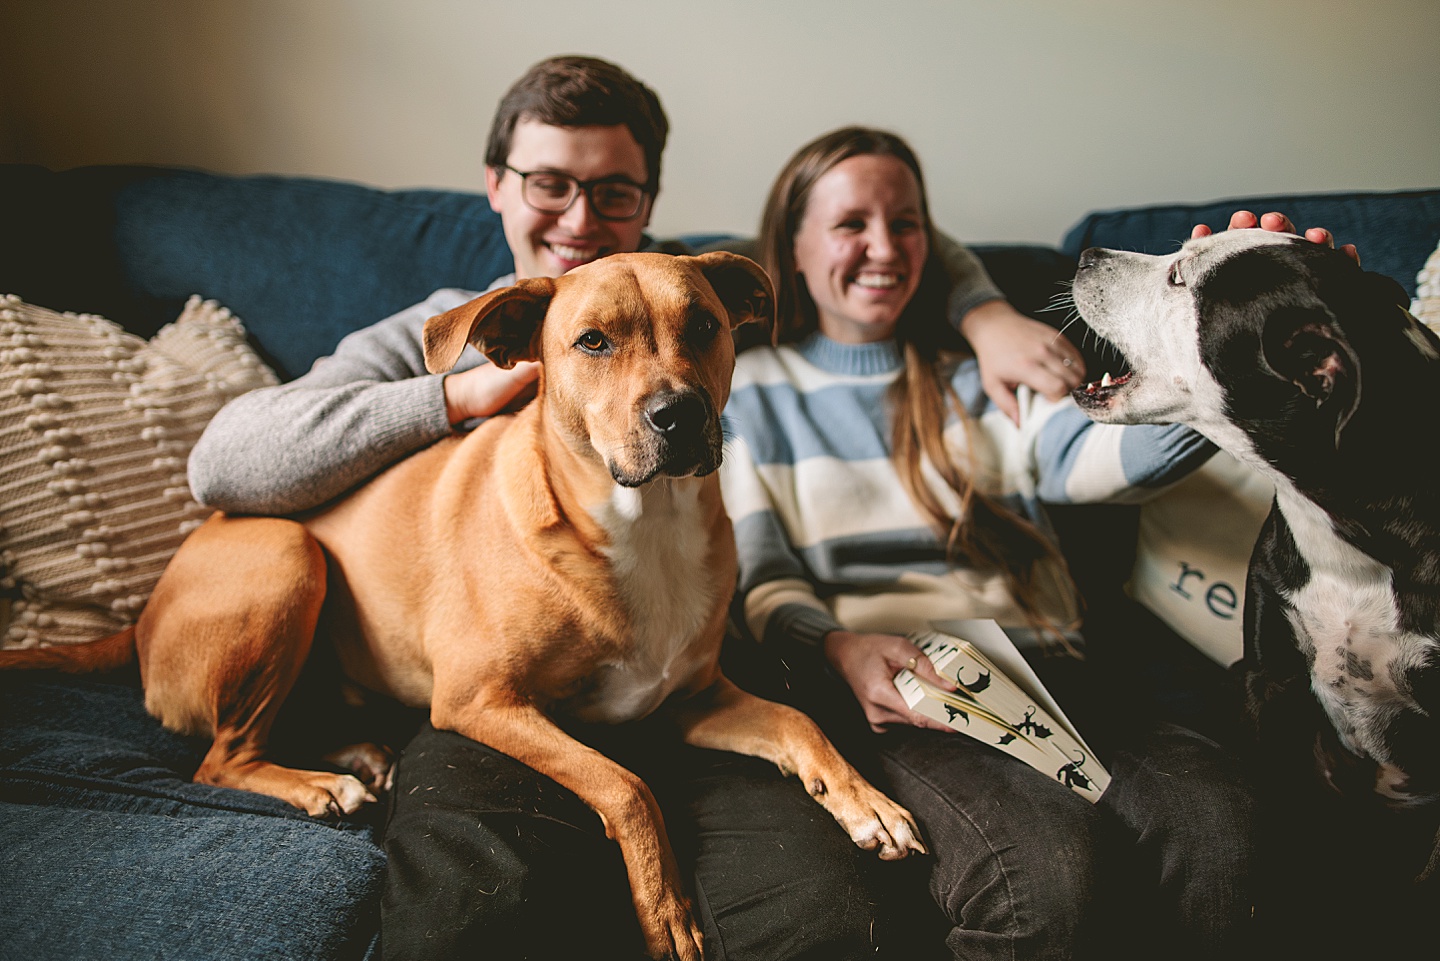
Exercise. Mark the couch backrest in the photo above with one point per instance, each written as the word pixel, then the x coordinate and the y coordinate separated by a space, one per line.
pixel 301 261
pixel 1394 231
pixel 304 261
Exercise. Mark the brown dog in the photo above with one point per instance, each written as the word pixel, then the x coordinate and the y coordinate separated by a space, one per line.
pixel 572 558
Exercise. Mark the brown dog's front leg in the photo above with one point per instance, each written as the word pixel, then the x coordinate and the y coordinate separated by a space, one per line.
pixel 726 718
pixel 625 805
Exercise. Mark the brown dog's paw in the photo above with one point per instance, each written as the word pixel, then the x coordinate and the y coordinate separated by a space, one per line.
pixel 373 764
pixel 873 821
pixel 317 793
pixel 328 795
pixel 671 932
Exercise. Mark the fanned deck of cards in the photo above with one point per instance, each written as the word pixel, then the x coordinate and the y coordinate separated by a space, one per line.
pixel 1000 701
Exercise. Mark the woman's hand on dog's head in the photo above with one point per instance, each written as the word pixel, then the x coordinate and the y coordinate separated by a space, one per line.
pixel 1278 222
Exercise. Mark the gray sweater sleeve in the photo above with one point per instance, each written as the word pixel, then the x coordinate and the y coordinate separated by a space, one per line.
pixel 285 449
pixel 970 285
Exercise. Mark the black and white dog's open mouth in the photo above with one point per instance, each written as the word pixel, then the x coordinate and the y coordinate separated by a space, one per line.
pixel 1106 385
pixel 1117 376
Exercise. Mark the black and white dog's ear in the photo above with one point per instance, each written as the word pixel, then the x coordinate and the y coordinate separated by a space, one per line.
pixel 1304 346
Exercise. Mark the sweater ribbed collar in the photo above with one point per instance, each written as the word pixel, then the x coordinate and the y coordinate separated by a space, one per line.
pixel 879 357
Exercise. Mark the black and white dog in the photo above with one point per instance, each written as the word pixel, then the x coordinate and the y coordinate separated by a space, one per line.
pixel 1292 358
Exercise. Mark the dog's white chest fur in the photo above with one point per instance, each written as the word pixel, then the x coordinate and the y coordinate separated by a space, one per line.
pixel 659 548
pixel 1348 613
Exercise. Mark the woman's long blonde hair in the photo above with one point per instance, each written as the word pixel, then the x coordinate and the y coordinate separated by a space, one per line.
pixel 983 532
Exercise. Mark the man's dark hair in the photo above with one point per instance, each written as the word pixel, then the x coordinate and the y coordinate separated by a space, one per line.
pixel 574 91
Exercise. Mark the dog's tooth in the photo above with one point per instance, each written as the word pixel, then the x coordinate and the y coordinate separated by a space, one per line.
pixel 1105 380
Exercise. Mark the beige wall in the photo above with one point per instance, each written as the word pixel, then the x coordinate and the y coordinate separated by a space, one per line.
pixel 1027 113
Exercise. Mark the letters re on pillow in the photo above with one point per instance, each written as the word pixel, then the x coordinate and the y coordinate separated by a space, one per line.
pixel 96 425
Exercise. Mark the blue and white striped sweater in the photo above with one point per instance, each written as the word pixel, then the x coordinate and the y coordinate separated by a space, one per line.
pixel 822 520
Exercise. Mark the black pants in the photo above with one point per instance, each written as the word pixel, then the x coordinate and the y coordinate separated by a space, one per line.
pixel 1022 867
pixel 490 859
pixel 1344 875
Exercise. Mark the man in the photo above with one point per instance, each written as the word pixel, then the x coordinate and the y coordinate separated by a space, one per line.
pixel 294 447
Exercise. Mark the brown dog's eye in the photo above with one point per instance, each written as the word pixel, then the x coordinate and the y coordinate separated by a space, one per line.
pixel 703 327
pixel 592 341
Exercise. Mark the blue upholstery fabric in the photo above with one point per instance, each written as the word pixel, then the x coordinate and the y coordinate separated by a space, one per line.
pixel 1395 231
pixel 301 261
pixel 107 849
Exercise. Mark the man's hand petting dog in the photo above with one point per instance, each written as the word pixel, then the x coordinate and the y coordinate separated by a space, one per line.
pixel 573 559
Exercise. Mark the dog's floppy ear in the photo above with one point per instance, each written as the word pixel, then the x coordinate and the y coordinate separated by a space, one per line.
pixel 504 325
pixel 1304 346
pixel 742 284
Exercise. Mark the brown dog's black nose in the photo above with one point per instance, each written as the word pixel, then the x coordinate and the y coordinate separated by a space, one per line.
pixel 673 414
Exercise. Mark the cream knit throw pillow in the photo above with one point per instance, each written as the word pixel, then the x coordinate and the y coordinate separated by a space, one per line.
pixel 96 425
pixel 1426 305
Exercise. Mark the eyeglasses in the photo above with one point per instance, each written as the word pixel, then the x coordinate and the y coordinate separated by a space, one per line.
pixel 551 192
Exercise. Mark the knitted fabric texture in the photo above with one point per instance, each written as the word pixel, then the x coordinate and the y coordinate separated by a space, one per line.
pixel 96 425
pixel 1426 306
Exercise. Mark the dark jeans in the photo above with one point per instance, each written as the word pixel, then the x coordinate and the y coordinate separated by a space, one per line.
pixel 490 859
pixel 1022 867
pixel 1341 875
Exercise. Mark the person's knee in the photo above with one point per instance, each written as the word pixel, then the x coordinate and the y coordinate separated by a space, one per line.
pixel 828 914
pixel 1036 895
pixel 497 887
pixel 1025 879
pixel 485 854
pixel 775 876
pixel 1014 852
pixel 1186 820
pixel 1180 793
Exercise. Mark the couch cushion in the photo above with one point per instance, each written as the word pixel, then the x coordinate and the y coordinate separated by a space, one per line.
pixel 97 425
pixel 303 260
pixel 1394 231
pixel 95 796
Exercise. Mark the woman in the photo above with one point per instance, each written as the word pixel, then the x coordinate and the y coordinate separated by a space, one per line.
pixel 874 489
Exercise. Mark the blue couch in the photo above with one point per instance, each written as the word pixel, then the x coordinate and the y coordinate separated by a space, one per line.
pixel 106 847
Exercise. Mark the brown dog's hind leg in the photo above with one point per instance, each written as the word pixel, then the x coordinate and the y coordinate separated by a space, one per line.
pixel 221 643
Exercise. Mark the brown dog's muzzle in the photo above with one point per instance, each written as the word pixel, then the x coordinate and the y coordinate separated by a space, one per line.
pixel 680 437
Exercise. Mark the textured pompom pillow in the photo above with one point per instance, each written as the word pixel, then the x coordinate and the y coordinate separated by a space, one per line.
pixel 1426 305
pixel 96 425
